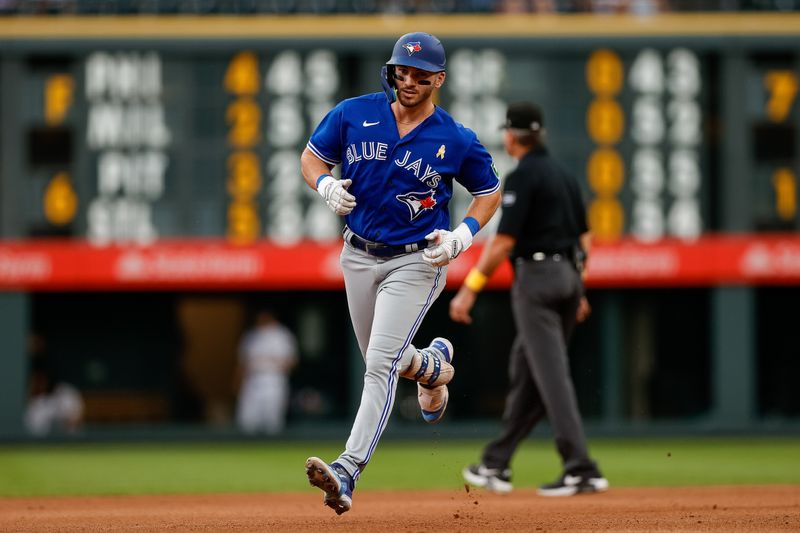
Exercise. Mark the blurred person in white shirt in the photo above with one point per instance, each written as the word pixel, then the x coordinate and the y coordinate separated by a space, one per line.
pixel 53 406
pixel 267 355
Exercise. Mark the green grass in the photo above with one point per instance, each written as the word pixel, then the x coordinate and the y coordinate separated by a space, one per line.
pixel 81 469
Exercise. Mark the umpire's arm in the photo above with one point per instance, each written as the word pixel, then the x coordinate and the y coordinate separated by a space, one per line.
pixel 584 309
pixel 586 244
pixel 494 253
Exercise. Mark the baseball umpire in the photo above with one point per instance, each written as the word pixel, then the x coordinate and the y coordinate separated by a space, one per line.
pixel 399 155
pixel 543 230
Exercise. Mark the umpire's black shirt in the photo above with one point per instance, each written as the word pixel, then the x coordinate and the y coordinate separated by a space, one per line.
pixel 542 207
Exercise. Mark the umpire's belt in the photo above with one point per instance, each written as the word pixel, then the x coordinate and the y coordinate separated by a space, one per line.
pixel 379 249
pixel 546 256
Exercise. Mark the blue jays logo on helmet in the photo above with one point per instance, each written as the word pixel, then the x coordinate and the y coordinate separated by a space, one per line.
pixel 413 47
pixel 417 202
pixel 419 50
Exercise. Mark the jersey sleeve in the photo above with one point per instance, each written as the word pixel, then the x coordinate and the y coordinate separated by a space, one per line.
pixel 326 141
pixel 477 173
pixel 516 199
pixel 579 207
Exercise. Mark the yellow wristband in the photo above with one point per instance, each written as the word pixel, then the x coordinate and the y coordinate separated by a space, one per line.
pixel 476 280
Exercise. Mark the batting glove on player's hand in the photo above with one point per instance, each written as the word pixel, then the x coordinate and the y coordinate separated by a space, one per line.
pixel 448 244
pixel 336 196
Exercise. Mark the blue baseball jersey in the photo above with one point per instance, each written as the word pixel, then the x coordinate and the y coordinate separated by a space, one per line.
pixel 402 186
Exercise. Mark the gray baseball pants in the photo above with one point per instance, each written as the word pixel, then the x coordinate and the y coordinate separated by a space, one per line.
pixel 544 298
pixel 388 299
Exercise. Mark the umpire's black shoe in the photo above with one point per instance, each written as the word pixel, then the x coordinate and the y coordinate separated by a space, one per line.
pixel 492 479
pixel 568 485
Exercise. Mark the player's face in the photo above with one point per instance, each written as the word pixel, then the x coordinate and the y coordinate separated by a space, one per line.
pixel 415 86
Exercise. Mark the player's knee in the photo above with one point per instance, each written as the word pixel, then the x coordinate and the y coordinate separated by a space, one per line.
pixel 379 363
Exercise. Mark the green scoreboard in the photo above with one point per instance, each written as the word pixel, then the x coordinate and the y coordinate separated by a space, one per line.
pixel 131 132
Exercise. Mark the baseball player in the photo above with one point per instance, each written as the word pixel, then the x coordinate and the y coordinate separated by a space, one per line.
pixel 267 354
pixel 399 155
pixel 543 229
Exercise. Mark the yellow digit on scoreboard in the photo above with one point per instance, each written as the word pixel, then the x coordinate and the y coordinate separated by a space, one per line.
pixel 242 77
pixel 58 92
pixel 244 175
pixel 604 72
pixel 606 172
pixel 782 87
pixel 243 222
pixel 244 117
pixel 606 218
pixel 60 200
pixel 785 184
pixel 605 121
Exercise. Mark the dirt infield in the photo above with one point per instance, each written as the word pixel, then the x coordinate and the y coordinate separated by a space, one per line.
pixel 754 508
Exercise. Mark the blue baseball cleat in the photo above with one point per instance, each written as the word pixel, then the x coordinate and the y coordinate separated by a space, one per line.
pixel 334 481
pixel 433 399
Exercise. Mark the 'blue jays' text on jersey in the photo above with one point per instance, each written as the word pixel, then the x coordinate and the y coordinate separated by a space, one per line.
pixel 402 186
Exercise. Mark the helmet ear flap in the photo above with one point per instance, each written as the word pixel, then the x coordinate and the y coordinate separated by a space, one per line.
pixel 387 81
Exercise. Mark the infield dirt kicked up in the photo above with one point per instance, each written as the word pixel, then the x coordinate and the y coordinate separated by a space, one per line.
pixel 732 508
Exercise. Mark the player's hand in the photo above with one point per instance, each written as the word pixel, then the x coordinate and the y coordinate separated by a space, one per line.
pixel 447 245
pixel 584 310
pixel 461 305
pixel 336 196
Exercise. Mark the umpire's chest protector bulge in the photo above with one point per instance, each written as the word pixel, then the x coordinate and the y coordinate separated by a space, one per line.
pixel 402 186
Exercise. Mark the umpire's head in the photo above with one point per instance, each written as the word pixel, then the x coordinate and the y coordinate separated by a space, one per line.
pixel 524 125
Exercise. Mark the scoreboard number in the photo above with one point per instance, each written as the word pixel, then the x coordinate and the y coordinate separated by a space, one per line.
pixel 605 122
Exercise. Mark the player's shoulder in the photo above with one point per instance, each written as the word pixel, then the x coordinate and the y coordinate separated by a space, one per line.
pixel 457 128
pixel 447 120
pixel 364 101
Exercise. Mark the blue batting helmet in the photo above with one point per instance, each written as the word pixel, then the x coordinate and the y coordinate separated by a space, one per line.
pixel 419 50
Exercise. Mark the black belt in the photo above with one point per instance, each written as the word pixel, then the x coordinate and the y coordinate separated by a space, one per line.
pixel 379 249
pixel 545 256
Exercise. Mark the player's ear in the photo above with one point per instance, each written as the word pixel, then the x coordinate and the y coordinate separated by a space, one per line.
pixel 439 80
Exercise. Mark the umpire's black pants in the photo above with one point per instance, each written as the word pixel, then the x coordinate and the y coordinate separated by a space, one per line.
pixel 545 297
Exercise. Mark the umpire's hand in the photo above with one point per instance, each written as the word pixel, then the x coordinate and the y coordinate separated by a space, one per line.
pixel 584 310
pixel 461 305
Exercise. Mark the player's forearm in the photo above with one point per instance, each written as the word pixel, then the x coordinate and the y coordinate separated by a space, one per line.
pixel 483 207
pixel 312 168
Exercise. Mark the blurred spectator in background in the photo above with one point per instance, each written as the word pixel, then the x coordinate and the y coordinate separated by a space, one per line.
pixel 267 354
pixel 53 406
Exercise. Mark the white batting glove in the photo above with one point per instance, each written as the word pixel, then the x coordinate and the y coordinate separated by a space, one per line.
pixel 336 196
pixel 448 245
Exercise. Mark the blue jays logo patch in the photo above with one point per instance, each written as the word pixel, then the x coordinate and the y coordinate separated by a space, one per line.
pixel 417 202
pixel 413 46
